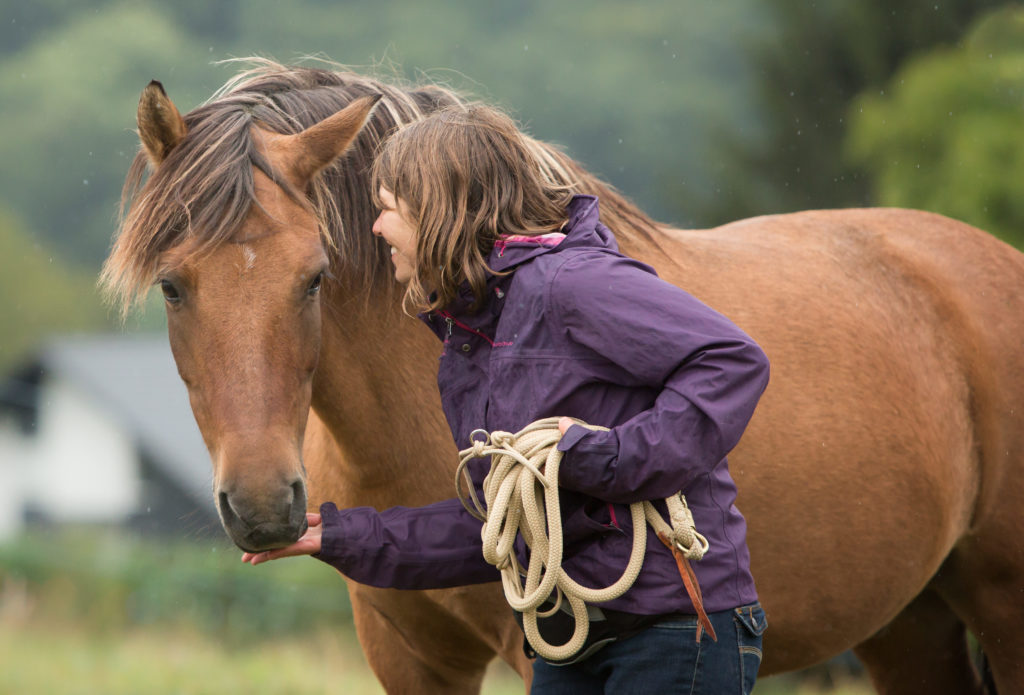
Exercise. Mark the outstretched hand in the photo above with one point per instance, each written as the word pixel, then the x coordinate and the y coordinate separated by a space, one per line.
pixel 308 544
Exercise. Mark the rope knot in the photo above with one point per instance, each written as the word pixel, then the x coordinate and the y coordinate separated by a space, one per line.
pixel 502 439
pixel 478 449
pixel 683 533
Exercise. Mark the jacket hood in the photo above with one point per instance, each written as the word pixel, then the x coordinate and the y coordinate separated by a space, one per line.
pixel 583 228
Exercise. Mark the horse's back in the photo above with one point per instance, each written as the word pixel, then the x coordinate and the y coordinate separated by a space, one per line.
pixel 894 338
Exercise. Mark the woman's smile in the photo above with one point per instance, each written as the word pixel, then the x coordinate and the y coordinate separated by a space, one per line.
pixel 394 227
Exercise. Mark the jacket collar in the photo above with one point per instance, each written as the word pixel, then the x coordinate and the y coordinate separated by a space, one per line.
pixel 583 228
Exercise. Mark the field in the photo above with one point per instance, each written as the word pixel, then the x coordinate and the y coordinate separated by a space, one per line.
pixel 86 613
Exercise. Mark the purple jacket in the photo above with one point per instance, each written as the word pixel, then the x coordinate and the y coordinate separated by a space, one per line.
pixel 578 329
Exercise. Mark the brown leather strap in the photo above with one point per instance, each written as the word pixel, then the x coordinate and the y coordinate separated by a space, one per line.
pixel 692 588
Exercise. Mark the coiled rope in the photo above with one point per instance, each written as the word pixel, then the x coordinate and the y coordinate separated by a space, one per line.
pixel 521 496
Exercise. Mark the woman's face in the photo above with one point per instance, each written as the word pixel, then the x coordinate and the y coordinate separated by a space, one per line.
pixel 393 226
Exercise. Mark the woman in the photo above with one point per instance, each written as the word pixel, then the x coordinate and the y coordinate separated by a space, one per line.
pixel 541 316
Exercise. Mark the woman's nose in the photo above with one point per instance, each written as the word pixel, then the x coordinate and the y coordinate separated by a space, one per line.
pixel 376 226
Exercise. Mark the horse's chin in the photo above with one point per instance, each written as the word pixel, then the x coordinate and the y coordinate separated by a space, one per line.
pixel 267 536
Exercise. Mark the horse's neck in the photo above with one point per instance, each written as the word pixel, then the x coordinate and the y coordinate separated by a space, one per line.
pixel 375 393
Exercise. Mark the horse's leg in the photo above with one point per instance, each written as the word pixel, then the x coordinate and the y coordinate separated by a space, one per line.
pixel 983 580
pixel 923 650
pixel 414 644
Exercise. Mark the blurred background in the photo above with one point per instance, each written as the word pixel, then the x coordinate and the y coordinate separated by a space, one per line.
pixel 112 564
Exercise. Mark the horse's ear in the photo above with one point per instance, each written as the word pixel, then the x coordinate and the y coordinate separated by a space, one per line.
pixel 161 127
pixel 318 145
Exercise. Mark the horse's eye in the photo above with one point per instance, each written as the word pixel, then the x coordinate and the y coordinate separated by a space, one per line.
pixel 314 287
pixel 170 291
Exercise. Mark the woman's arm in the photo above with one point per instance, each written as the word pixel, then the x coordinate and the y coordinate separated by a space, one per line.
pixel 710 375
pixel 432 547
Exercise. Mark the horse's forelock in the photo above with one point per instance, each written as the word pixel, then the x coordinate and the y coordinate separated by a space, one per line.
pixel 204 189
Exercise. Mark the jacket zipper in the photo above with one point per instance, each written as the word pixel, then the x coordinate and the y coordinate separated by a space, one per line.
pixel 451 320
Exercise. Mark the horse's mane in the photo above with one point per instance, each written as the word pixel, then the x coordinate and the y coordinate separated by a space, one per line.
pixel 203 190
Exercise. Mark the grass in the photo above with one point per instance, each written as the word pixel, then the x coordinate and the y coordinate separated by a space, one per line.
pixel 68 659
pixel 71 659
pixel 88 612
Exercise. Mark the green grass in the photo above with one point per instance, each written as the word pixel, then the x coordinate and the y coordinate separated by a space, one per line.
pixel 93 612
pixel 67 659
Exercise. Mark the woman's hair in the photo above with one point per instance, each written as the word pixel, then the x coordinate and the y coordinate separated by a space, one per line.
pixel 464 177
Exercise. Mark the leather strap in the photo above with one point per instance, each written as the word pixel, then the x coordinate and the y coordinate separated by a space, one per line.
pixel 692 588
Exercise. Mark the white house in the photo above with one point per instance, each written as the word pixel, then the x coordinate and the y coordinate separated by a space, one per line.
pixel 99 430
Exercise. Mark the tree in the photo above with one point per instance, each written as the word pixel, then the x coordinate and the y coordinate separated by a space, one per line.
pixel 68 118
pixel 819 57
pixel 39 294
pixel 945 134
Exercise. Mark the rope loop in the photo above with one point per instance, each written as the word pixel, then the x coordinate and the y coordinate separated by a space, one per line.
pixel 521 498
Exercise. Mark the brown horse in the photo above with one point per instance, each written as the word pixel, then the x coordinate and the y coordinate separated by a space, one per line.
pixel 881 477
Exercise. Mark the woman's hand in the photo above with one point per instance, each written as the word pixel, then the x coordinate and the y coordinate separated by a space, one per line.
pixel 308 544
pixel 564 423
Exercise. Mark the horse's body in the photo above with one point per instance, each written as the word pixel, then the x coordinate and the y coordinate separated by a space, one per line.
pixel 881 476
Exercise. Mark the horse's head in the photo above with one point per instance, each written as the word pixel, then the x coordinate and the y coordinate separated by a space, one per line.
pixel 241 261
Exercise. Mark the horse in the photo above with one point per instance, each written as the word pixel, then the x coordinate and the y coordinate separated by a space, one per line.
pixel 881 475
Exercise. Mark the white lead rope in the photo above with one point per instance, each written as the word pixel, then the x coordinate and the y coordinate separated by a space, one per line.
pixel 521 496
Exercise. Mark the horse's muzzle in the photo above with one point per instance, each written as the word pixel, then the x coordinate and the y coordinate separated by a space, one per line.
pixel 274 521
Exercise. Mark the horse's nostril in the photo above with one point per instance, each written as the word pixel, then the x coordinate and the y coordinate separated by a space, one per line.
pixel 225 506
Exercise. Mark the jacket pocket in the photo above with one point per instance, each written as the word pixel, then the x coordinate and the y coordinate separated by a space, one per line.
pixel 589 519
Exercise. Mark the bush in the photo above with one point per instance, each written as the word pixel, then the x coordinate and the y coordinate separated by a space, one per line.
pixel 113 580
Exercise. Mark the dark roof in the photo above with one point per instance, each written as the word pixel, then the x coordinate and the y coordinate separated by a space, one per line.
pixel 135 379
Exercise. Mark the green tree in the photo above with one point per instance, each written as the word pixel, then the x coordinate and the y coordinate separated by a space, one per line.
pixel 68 118
pixel 946 133
pixel 816 59
pixel 40 294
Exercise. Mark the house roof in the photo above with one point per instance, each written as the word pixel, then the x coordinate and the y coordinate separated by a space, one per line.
pixel 135 379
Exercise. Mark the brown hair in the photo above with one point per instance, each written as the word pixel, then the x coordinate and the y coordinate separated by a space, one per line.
pixel 465 178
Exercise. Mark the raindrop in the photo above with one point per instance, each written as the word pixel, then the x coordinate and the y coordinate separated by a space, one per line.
pixel 85 182
pixel 526 47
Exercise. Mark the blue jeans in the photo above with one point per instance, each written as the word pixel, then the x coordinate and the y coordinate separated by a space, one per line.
pixel 666 658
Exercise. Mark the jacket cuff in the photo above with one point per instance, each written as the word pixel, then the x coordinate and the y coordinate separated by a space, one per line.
pixel 332 540
pixel 589 458
pixel 571 436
